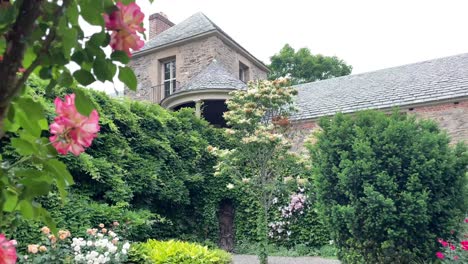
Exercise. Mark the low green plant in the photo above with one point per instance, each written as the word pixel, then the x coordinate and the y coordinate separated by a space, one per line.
pixel 173 251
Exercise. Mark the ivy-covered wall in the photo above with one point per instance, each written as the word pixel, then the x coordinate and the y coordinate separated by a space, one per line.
pixel 149 169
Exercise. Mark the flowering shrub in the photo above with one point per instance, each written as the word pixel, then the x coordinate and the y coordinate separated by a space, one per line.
pixel 7 250
pixel 279 229
pixel 259 143
pixel 454 250
pixel 102 245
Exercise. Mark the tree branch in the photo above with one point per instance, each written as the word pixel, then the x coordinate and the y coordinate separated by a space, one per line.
pixel 13 56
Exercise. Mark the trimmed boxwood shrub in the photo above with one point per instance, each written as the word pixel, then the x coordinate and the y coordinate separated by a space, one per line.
pixel 388 186
pixel 176 252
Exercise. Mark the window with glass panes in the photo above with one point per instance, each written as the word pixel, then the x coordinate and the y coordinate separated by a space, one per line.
pixel 169 77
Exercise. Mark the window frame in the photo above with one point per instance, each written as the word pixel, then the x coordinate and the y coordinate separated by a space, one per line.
pixel 243 72
pixel 172 80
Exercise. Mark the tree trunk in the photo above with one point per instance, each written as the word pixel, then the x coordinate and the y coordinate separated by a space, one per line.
pixel 16 40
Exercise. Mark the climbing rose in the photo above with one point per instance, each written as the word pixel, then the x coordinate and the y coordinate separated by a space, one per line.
pixel 464 244
pixel 7 251
pixel 440 255
pixel 125 22
pixel 124 41
pixel 72 131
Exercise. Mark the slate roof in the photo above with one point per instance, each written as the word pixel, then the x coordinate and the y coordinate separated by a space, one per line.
pixel 195 25
pixel 433 80
pixel 214 76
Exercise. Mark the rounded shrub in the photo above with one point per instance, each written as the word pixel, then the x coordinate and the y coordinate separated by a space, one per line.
pixel 388 186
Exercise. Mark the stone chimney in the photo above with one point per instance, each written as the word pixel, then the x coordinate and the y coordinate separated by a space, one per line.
pixel 158 23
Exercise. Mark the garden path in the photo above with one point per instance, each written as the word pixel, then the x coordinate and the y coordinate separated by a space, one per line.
pixel 250 259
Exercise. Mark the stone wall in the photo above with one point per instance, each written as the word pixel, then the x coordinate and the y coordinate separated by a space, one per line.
pixel 451 117
pixel 191 58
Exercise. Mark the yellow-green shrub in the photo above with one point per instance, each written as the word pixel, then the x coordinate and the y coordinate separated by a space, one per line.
pixel 173 251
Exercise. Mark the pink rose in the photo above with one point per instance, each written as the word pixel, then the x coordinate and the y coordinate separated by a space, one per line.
pixel 440 255
pixel 7 250
pixel 72 131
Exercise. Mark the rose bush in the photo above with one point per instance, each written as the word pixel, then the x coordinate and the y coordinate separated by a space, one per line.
pixel 455 250
pixel 102 245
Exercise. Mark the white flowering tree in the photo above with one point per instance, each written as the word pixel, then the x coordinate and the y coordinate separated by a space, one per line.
pixel 259 119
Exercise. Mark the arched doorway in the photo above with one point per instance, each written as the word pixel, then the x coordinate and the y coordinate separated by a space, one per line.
pixel 226 225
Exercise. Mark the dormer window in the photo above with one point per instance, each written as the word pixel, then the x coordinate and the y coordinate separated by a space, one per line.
pixel 169 68
pixel 243 72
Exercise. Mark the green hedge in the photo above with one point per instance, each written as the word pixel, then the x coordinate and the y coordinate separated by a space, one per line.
pixel 176 252
pixel 149 169
pixel 388 186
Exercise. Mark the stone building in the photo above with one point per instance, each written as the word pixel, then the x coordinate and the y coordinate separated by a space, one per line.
pixel 192 64
pixel 195 61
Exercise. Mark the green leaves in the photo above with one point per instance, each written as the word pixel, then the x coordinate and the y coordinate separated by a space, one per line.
pixel 91 12
pixel 11 199
pixel 120 56
pixel 7 16
pixel 104 69
pixel 127 76
pixel 83 103
pixel 84 77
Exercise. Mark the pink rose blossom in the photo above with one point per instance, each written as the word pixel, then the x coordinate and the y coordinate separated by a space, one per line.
pixel 456 257
pixel 443 243
pixel 72 131
pixel 125 23
pixel 124 41
pixel 464 244
pixel 7 250
pixel 440 255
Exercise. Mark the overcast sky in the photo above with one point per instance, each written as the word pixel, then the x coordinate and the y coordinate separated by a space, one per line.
pixel 368 34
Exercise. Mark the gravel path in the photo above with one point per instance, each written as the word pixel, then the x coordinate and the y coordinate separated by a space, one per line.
pixel 249 259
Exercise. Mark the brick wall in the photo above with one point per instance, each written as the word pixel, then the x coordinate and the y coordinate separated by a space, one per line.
pixel 158 23
pixel 451 117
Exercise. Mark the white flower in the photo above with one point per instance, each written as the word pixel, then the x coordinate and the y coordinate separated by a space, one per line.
pixel 126 246
pixel 89 243
pixel 230 186
pixel 124 251
pixel 112 249
pixel 275 200
pixel 77 248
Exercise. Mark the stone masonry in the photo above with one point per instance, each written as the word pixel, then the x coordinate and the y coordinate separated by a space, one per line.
pixel 452 117
pixel 191 57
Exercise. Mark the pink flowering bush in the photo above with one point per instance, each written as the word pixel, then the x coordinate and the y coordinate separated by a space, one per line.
pixel 124 23
pixel 455 250
pixel 72 131
pixel 7 250
pixel 279 229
